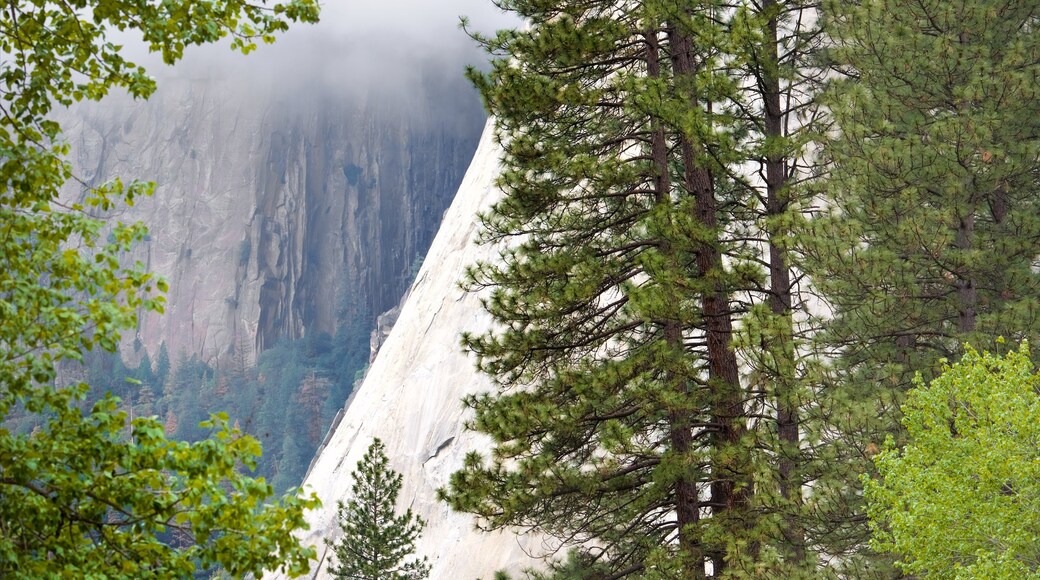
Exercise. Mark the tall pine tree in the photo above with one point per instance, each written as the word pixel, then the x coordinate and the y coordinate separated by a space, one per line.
pixel 776 47
pixel 934 177
pixel 625 421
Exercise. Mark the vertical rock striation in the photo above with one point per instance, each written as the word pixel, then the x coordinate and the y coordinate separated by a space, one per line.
pixel 277 211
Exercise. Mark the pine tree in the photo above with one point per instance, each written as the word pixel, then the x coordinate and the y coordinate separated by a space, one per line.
pixel 624 423
pixel 144 372
pixel 932 229
pixel 377 544
pixel 162 366
pixel 598 301
pixel 776 44
pixel 935 174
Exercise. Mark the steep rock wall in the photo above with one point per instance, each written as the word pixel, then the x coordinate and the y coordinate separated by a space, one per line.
pixel 278 210
pixel 411 399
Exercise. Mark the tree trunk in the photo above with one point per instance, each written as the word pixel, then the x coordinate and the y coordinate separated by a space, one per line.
pixel 967 295
pixel 687 505
pixel 780 295
pixel 730 488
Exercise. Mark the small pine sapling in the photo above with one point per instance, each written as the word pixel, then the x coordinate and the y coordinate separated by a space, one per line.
pixel 377 544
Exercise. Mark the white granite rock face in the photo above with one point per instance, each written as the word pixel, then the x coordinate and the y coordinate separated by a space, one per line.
pixel 411 399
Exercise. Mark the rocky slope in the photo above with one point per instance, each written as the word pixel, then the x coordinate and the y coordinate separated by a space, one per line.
pixel 282 204
pixel 411 400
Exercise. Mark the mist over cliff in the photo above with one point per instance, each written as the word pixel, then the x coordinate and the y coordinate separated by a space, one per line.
pixel 297 191
pixel 296 186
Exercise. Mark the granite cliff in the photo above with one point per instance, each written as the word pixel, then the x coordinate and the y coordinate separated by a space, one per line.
pixel 282 204
pixel 411 400
pixel 286 203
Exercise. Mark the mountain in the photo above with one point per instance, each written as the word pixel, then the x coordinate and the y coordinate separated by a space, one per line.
pixel 283 205
pixel 411 400
pixel 295 198
pixel 290 203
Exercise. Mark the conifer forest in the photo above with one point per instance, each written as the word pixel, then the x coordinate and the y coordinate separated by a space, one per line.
pixel 762 299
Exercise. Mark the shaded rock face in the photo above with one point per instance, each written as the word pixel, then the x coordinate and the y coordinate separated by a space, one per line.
pixel 278 212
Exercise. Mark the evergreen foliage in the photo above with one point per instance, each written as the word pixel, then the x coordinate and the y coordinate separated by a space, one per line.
pixel 290 400
pixel 287 401
pixel 162 366
pixel 961 499
pixel 623 421
pixel 933 182
pixel 78 497
pixel 931 227
pixel 377 544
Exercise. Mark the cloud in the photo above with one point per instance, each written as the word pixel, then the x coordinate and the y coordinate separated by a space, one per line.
pixel 360 47
pixel 413 21
pixel 382 43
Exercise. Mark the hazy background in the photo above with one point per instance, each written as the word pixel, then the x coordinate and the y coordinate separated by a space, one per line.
pixel 297 190
pixel 359 46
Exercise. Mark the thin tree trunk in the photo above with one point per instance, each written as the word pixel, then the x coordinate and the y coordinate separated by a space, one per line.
pixel 967 295
pixel 730 488
pixel 780 295
pixel 687 505
pixel 1000 203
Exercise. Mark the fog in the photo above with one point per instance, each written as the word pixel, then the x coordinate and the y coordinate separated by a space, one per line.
pixel 412 22
pixel 360 45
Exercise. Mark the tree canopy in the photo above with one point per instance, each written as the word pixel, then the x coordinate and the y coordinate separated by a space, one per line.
pixel 637 286
pixel 725 270
pixel 928 230
pixel 932 182
pixel 77 494
pixel 377 543
pixel 962 498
